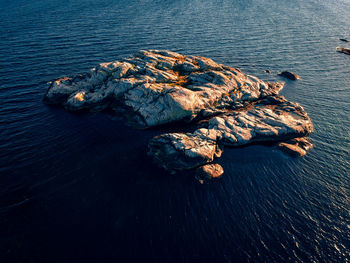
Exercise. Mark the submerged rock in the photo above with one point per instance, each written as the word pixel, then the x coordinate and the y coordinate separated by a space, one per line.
pixel 289 75
pixel 344 40
pixel 154 87
pixel 343 50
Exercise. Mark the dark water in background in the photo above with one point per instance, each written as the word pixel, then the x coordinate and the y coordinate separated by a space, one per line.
pixel 77 188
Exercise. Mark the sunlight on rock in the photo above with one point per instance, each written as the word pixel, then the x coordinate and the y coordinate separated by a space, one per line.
pixel 80 96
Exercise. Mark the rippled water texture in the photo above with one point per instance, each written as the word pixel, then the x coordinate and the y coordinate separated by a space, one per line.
pixel 79 187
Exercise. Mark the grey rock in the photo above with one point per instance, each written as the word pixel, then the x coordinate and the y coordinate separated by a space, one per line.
pixel 268 120
pixel 181 151
pixel 155 87
pixel 159 87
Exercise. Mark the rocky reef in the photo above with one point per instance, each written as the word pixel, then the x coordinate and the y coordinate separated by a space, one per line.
pixel 225 106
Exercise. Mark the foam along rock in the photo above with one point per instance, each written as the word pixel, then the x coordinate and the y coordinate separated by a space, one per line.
pixel 270 119
pixel 289 75
pixel 208 172
pixel 296 147
pixel 343 50
pixel 158 87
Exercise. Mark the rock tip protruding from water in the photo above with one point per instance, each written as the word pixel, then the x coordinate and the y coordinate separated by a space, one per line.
pixel 343 50
pixel 209 172
pixel 296 147
pixel 289 75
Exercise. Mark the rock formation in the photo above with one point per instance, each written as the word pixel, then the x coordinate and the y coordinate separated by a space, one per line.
pixel 343 50
pixel 289 75
pixel 209 172
pixel 152 88
pixel 296 147
pixel 269 119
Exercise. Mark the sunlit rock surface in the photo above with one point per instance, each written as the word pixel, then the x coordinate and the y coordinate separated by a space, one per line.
pixel 296 147
pixel 209 172
pixel 159 87
pixel 270 119
pixel 179 151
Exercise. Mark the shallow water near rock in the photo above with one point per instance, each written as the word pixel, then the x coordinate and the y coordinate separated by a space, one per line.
pixel 80 187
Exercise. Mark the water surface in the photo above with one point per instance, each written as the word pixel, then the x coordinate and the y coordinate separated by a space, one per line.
pixel 79 187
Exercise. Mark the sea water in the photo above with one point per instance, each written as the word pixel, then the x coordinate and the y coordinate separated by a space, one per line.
pixel 80 187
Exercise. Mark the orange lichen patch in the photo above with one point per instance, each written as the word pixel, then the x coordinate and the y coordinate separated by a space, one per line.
pixel 195 62
pixel 172 72
pixel 80 96
pixel 234 91
pixel 58 81
pixel 181 81
pixel 181 58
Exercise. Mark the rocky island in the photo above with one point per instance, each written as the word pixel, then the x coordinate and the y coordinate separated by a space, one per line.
pixel 224 106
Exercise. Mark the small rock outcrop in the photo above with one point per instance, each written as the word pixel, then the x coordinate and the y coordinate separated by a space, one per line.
pixel 343 50
pixel 296 147
pixel 225 106
pixel 209 172
pixel 344 40
pixel 181 151
pixel 289 75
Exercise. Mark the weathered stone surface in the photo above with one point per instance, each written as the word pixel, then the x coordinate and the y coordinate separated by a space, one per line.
pixel 179 151
pixel 158 87
pixel 289 75
pixel 343 50
pixel 208 172
pixel 296 147
pixel 270 119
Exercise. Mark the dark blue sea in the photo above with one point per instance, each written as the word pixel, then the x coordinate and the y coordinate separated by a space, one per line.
pixel 80 187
